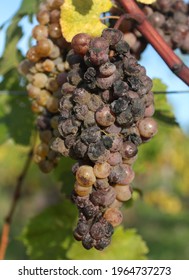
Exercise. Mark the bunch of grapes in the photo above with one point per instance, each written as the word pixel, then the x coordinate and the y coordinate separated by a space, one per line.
pixel 45 70
pixel 169 17
pixel 106 112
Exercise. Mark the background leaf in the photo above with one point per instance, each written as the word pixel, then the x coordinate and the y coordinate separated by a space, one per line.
pixel 63 173
pixel 14 33
pixel 163 110
pixel 49 235
pixel 16 118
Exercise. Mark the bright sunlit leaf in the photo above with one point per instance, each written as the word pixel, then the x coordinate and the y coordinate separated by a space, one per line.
pixel 146 1
pixel 83 16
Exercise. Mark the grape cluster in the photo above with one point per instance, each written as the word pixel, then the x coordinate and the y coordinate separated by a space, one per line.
pixel 45 70
pixel 169 17
pixel 106 112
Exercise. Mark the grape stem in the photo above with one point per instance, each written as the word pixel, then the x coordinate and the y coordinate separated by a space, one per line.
pixel 15 198
pixel 153 37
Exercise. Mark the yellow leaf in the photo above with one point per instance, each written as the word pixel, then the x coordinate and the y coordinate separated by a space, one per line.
pixel 82 16
pixel 146 1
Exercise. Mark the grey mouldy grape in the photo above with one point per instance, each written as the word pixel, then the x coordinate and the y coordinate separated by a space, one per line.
pixel 103 118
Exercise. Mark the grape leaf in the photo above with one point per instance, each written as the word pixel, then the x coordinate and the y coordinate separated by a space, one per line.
pixel 82 16
pixel 3 110
pixel 11 55
pixel 18 119
pixel 49 235
pixel 163 110
pixel 125 245
pixel 64 174
pixel 28 7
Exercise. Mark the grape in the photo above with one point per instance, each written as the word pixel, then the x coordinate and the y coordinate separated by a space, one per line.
pixel 105 82
pixel 157 19
pixel 123 192
pixel 55 52
pixel 98 44
pixel 102 184
pixel 94 103
pixel 45 136
pixel 120 88
pixel 104 117
pixel 116 204
pixel 131 160
pixel 107 69
pixel 119 105
pixel 115 158
pixel 40 32
pixel 112 36
pixel 57 3
pixel 103 197
pixel 82 227
pixel 128 175
pixel 58 145
pixel 102 243
pixel 36 108
pixel 129 150
pixel 87 242
pixel 32 54
pixel 113 216
pixel 85 176
pixel 82 191
pixel 44 47
pixel 97 231
pixel 33 91
pixel 52 104
pixel 40 80
pixel 147 127
pixel 43 17
pixel 55 30
pixel 81 96
pixel 102 170
pixel 149 111
pixel 48 65
pixel 117 143
pixel 52 84
pixel 80 43
pixel 54 16
pixel 43 97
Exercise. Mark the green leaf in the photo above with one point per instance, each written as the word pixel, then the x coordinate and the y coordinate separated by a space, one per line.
pixel 49 235
pixel 4 109
pixel 28 7
pixel 163 110
pixel 11 56
pixel 11 81
pixel 125 245
pixel 17 117
pixel 158 85
pixel 64 174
